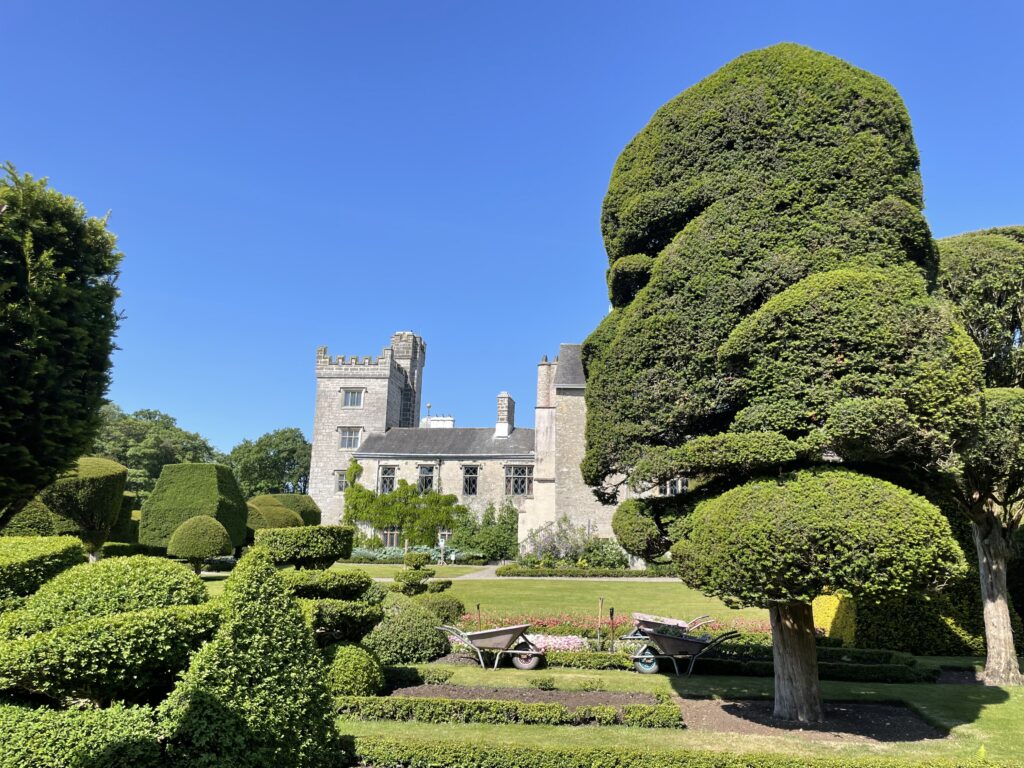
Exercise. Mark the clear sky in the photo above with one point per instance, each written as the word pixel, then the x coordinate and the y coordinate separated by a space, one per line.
pixel 286 175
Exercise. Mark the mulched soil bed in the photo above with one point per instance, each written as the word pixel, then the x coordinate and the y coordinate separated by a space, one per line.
pixel 571 699
pixel 844 721
pixel 960 677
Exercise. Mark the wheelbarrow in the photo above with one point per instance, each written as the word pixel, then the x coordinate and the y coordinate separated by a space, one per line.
pixel 670 639
pixel 501 641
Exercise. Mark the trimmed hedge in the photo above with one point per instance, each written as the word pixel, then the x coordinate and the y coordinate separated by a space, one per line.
pixel 26 562
pixel 116 737
pixel 34 519
pixel 314 546
pixel 126 527
pixel 118 585
pixel 269 514
pixel 637 531
pixel 353 671
pixel 521 571
pixel 198 539
pixel 340 620
pixel 449 609
pixel 493 712
pixel 128 656
pixel 407 634
pixel 87 499
pixel 300 503
pixel 337 585
pixel 188 490
pixel 392 753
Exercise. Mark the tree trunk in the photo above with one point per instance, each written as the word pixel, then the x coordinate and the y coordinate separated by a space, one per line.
pixel 795 655
pixel 1001 665
pixel 94 555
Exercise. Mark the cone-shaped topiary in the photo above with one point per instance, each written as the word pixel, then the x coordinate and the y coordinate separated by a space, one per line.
pixel 256 694
pixel 352 671
pixel 187 490
pixel 197 540
pixel 300 503
pixel 87 499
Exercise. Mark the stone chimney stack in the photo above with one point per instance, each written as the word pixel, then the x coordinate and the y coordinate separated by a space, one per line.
pixel 506 415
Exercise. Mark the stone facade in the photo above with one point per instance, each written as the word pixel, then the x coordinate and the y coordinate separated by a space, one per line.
pixel 537 470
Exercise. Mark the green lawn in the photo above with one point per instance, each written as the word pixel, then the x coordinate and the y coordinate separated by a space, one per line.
pixel 552 597
pixel 975 715
pixel 389 571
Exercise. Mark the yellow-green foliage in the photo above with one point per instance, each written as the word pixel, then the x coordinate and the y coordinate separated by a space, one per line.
pixel 187 490
pixel 27 562
pixel 34 519
pixel 837 615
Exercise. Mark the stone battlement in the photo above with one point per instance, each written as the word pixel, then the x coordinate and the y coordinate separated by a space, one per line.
pixel 324 360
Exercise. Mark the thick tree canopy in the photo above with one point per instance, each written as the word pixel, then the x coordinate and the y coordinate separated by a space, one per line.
pixel 785 163
pixel 983 274
pixel 791 540
pixel 57 321
pixel 277 462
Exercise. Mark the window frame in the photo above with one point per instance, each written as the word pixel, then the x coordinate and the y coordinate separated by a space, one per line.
pixel 420 475
pixel 342 434
pixel 525 480
pixel 345 395
pixel 381 477
pixel 475 477
pixel 340 483
pixel 389 534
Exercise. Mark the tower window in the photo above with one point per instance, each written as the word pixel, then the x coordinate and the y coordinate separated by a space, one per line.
pixel 470 475
pixel 518 480
pixel 386 482
pixel 425 478
pixel 349 437
pixel 353 398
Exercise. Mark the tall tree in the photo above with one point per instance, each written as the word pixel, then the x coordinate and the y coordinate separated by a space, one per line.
pixel 58 269
pixel 277 462
pixel 785 320
pixel 146 440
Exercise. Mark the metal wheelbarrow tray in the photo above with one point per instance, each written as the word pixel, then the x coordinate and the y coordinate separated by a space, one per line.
pixel 501 641
pixel 669 639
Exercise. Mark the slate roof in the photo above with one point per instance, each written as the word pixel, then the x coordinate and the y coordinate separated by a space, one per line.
pixel 569 374
pixel 457 442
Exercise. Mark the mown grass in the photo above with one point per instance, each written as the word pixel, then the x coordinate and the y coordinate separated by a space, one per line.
pixel 976 716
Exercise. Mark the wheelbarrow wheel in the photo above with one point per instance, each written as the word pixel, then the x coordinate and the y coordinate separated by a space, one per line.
pixel 525 661
pixel 646 663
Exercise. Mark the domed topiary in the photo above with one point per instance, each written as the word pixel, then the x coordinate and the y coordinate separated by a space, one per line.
pixel 300 503
pixel 270 514
pixel 86 500
pixel 117 585
pixel 353 671
pixel 198 539
pixel 34 519
pixel 636 530
pixel 408 634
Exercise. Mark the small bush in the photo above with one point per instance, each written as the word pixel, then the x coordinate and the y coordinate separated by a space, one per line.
pixel 416 560
pixel 256 694
pixel 581 573
pixel 188 490
pixel 353 671
pixel 34 519
pixel 545 683
pixel 300 503
pixel 449 609
pixel 27 562
pixel 117 737
pixel 407 634
pixel 119 585
pixel 316 546
pixel 603 553
pixel 89 499
pixel 438 585
pixel 335 584
pixel 336 621
pixel 198 539
pixel 127 656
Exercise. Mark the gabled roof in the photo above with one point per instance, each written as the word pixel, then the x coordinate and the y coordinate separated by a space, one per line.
pixel 569 374
pixel 459 442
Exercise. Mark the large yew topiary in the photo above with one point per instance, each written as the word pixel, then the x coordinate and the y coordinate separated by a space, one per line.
pixel 87 499
pixel 256 694
pixel 300 503
pixel 188 490
pixel 269 514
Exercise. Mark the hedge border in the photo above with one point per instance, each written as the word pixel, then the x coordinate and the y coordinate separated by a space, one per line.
pixel 520 571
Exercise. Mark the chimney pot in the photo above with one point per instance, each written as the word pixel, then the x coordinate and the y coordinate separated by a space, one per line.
pixel 506 415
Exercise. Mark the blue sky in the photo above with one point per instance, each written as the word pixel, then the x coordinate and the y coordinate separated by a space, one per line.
pixel 286 175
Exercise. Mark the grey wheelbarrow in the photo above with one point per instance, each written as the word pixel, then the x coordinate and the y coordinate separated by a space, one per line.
pixel 500 641
pixel 670 639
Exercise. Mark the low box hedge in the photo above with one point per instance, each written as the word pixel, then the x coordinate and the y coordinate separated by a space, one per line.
pixel 493 712
pixel 311 546
pixel 393 753
pixel 581 573
pixel 26 562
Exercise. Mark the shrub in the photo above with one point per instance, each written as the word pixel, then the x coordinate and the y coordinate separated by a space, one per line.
pixel 337 584
pixel 627 276
pixel 89 497
pixel 603 553
pixel 314 546
pixel 438 585
pixel 255 695
pixel 126 656
pixel 270 514
pixel 119 585
pixel 837 615
pixel 543 683
pixel 449 609
pixel 188 490
pixel 636 530
pixel 427 710
pixel 416 560
pixel 340 620
pixel 300 503
pixel 353 671
pixel 34 519
pixel 407 634
pixel 117 737
pixel 198 539
pixel 27 562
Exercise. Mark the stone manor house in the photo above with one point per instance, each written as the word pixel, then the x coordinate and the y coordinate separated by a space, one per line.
pixel 369 409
